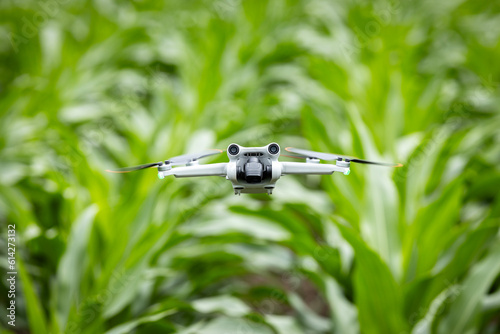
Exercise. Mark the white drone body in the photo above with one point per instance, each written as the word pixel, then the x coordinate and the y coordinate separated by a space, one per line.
pixel 253 169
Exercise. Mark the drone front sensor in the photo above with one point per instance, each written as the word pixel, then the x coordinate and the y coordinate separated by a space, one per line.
pixel 254 169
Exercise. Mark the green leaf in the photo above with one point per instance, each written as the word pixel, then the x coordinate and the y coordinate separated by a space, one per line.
pixel 377 294
pixel 223 325
pixel 284 324
pixel 129 326
pixel 424 326
pixel 312 320
pixel 228 305
pixel 344 313
pixel 36 315
pixel 420 293
pixel 473 289
pixel 71 267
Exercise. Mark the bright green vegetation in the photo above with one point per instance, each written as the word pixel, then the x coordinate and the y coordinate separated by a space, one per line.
pixel 88 86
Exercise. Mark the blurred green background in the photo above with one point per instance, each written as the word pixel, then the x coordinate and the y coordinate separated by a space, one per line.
pixel 91 85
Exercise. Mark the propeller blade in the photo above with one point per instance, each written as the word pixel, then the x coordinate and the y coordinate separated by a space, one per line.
pixel 293 156
pixel 318 155
pixel 185 158
pixel 331 156
pixel 367 162
pixel 134 168
pixel 178 160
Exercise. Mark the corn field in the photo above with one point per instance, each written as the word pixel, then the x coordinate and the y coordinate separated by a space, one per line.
pixel 87 86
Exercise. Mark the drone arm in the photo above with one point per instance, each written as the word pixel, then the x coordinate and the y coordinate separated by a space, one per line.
pixel 310 168
pixel 218 169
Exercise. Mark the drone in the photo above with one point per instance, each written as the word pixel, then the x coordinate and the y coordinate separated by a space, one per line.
pixel 254 170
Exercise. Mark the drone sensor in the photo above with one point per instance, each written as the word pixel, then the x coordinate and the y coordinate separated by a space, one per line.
pixel 273 148
pixel 233 149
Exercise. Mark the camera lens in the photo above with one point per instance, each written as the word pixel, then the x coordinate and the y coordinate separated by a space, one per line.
pixel 233 149
pixel 273 148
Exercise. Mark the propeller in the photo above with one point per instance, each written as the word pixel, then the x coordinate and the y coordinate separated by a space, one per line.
pixel 185 158
pixel 330 156
pixel 175 161
pixel 134 168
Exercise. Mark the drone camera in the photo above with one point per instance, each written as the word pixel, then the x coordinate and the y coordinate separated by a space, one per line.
pixel 233 149
pixel 254 171
pixel 273 148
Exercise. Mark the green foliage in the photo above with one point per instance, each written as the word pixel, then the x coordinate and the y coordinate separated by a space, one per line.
pixel 86 86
